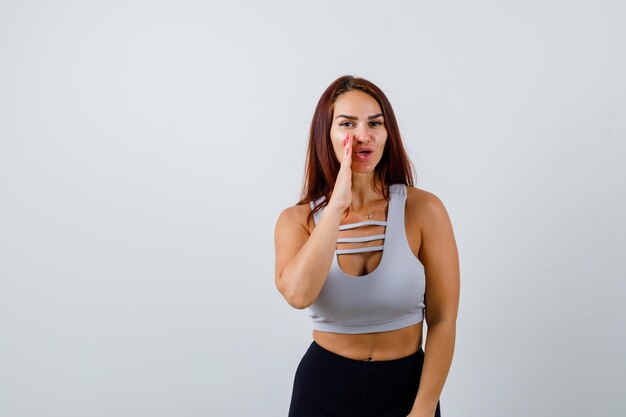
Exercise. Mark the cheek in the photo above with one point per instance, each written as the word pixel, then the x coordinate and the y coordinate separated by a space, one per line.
pixel 336 138
pixel 383 136
pixel 336 143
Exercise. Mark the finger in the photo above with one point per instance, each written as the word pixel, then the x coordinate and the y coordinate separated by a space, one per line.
pixel 348 148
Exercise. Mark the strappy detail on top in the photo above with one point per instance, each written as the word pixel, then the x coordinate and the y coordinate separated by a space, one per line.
pixel 359 224
pixel 389 297
pixel 359 239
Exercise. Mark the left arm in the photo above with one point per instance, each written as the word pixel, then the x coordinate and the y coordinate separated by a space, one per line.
pixel 439 255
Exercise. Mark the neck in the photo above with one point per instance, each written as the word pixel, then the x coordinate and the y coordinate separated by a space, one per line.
pixel 363 192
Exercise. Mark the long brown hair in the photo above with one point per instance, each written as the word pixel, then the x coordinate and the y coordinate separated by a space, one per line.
pixel 322 166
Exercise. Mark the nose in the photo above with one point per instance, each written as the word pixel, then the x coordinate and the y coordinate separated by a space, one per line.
pixel 361 135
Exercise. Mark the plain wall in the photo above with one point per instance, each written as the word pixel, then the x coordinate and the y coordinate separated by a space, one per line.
pixel 147 148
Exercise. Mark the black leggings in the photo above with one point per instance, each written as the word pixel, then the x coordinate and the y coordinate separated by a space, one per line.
pixel 330 385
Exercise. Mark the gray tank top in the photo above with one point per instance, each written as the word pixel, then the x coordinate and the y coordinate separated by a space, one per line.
pixel 389 297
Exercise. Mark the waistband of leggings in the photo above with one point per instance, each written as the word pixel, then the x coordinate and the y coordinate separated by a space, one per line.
pixel 395 367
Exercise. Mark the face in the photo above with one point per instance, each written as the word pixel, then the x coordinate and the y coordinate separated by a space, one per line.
pixel 358 114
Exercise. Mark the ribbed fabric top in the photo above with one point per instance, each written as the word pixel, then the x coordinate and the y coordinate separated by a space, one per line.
pixel 389 297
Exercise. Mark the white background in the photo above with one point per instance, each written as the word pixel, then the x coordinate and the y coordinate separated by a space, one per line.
pixel 147 148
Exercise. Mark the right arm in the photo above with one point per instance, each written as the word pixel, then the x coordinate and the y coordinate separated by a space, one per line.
pixel 302 259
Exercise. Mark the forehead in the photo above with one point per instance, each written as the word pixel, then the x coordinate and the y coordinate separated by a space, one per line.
pixel 356 103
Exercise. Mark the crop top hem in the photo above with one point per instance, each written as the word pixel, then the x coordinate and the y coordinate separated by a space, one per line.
pixel 381 326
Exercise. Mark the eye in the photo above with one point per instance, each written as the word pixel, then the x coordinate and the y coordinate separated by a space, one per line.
pixel 344 124
pixel 376 123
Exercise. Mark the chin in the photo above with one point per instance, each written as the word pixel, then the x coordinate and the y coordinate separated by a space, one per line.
pixel 362 170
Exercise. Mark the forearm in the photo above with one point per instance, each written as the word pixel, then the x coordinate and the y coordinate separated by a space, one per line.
pixel 303 278
pixel 437 360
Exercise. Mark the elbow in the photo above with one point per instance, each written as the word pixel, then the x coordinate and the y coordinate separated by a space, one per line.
pixel 293 298
pixel 448 322
pixel 296 301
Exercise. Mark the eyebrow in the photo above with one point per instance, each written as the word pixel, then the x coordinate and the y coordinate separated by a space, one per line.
pixel 356 118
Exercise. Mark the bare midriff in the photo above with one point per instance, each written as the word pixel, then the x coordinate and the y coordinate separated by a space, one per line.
pixel 380 346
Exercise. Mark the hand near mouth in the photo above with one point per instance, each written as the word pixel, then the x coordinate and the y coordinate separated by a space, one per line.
pixel 341 197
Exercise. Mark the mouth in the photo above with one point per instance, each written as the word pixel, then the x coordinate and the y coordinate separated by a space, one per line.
pixel 363 154
pixel 363 151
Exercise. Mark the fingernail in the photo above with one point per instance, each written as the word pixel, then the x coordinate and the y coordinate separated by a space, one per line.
pixel 345 140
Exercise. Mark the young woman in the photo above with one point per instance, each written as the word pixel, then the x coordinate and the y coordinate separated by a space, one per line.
pixel 370 256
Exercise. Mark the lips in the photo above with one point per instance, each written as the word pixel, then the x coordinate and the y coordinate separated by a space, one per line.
pixel 363 154
pixel 363 151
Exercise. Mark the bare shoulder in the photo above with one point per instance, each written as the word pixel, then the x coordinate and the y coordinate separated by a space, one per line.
pixel 295 216
pixel 424 207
